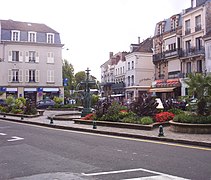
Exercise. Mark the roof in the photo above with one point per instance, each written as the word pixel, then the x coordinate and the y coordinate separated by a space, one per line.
pixel 145 46
pixel 25 26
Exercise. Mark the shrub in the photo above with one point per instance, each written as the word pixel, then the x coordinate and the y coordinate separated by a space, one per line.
pixel 57 100
pixel 146 120
pixel 192 119
pixel 131 119
pixel 176 111
pixel 164 116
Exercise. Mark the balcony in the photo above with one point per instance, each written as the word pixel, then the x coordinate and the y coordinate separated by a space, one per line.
pixel 175 52
pixel 158 57
pixel 193 52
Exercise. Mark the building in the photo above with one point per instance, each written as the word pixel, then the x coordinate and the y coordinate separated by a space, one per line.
pixel 30 60
pixel 139 69
pixel 196 24
pixel 167 46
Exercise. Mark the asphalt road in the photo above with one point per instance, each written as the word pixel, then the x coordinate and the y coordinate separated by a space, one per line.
pixel 30 152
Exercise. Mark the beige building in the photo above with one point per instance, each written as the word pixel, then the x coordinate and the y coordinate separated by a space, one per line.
pixel 30 60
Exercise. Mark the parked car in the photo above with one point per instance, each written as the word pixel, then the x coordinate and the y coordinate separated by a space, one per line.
pixel 45 103
pixel 3 102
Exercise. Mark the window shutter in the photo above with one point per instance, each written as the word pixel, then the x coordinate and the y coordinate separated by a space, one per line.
pixel 10 56
pixel 37 57
pixel 21 56
pixel 52 57
pixel 26 75
pixel 20 74
pixel 37 76
pixel 48 75
pixel 52 75
pixel 9 75
pixel 26 56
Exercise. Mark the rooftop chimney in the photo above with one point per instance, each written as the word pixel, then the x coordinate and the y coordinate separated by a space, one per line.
pixel 138 40
pixel 111 55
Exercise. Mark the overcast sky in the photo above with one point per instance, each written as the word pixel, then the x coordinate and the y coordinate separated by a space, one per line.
pixel 90 29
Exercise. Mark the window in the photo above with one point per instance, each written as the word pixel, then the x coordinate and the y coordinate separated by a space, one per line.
pixel 50 76
pixel 128 65
pixel 128 79
pixel 50 38
pixel 31 56
pixel 188 46
pixel 50 58
pixel 31 75
pixel 188 68
pixel 160 29
pixel 173 24
pixel 32 36
pixel 15 36
pixel 132 80
pixel 15 55
pixel 132 64
pixel 15 75
pixel 187 27
pixel 198 23
pixel 198 43
pixel 199 66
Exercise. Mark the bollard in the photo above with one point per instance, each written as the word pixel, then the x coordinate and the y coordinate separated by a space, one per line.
pixel 21 117
pixel 161 133
pixel 94 125
pixel 51 120
pixel 4 116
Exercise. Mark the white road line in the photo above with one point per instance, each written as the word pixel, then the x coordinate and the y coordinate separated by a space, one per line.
pixel 15 138
pixel 133 170
pixel 3 134
pixel 159 177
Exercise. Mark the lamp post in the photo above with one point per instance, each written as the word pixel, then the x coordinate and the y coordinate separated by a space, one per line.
pixel 87 96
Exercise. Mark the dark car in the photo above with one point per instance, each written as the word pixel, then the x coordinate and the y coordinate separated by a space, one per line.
pixel 3 102
pixel 45 103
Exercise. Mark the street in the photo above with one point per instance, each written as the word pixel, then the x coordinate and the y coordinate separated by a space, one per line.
pixel 30 152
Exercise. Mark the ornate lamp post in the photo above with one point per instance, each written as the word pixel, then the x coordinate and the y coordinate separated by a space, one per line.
pixel 87 95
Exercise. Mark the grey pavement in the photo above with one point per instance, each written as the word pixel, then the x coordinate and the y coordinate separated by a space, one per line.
pixel 169 136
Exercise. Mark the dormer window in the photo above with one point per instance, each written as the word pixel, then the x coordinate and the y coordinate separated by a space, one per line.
pixel 50 38
pixel 161 26
pixel 31 36
pixel 193 3
pixel 173 23
pixel 15 36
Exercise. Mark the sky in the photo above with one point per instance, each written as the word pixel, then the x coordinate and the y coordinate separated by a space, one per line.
pixel 90 29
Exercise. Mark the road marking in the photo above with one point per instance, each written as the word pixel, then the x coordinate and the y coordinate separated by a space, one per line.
pixel 3 134
pixel 159 177
pixel 133 170
pixel 15 138
pixel 124 138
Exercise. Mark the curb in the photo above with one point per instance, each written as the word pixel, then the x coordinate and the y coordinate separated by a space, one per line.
pixel 162 139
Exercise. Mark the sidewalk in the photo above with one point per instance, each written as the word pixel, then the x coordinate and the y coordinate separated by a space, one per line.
pixel 169 136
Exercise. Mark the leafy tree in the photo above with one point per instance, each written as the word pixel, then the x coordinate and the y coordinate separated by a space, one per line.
pixel 80 76
pixel 68 72
pixel 199 86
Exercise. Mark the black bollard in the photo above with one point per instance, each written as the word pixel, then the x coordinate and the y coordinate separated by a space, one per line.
pixel 161 133
pixel 21 117
pixel 51 120
pixel 4 116
pixel 94 125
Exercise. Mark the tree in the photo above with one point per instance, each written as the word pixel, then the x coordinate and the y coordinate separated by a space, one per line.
pixel 80 76
pixel 199 86
pixel 68 72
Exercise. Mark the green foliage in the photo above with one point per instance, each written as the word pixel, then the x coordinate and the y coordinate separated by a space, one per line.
pixel 131 119
pixel 176 111
pixel 146 120
pixel 94 99
pixel 17 111
pixel 30 109
pixel 57 100
pixel 192 119
pixel 200 88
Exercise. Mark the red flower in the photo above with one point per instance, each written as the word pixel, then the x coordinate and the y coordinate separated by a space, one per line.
pixel 164 116
pixel 88 117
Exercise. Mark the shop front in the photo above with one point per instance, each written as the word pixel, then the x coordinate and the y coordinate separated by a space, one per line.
pixel 31 93
pixel 12 92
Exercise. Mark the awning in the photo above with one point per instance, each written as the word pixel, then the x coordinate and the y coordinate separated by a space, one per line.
pixel 169 89
pixel 50 89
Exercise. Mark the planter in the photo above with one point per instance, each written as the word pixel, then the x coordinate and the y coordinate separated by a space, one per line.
pixel 20 115
pixel 190 128
pixel 120 125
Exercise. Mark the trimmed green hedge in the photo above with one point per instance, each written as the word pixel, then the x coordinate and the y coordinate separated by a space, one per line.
pixel 192 119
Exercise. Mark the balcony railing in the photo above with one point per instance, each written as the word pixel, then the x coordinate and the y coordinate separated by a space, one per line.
pixel 158 57
pixel 167 54
pixel 193 52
